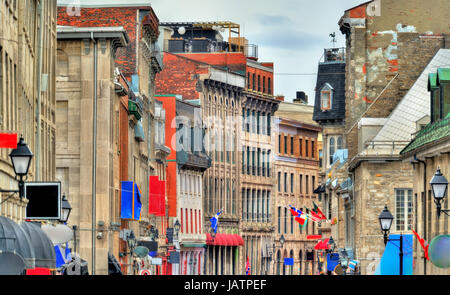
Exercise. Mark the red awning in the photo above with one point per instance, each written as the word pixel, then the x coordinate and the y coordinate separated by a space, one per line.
pixel 322 245
pixel 224 240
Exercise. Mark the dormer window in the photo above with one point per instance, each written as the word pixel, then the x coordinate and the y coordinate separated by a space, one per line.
pixel 326 97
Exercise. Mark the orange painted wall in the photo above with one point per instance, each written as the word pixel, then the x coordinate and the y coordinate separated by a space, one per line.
pixel 169 104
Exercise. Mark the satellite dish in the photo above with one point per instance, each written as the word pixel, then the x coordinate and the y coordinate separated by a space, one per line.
pixel 141 251
pixel 59 234
pixel 214 28
pixel 222 29
pixel 11 264
pixel 182 30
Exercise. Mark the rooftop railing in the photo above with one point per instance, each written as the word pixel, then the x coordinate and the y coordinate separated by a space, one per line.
pixel 333 55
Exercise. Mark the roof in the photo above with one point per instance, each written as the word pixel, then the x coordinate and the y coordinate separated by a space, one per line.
pixel 430 134
pixel 432 81
pixel 443 75
pixel 332 74
pixel 414 106
pixel 69 32
pixel 105 3
pixel 203 25
pixel 296 111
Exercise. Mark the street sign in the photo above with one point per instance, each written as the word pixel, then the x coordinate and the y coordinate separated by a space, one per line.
pixel 145 272
pixel 156 261
pixel 44 200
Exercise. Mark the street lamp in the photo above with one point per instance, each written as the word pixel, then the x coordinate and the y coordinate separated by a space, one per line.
pixel 177 227
pixel 282 240
pixel 131 241
pixel 66 209
pixel 386 219
pixel 331 243
pixel 21 160
pixel 439 185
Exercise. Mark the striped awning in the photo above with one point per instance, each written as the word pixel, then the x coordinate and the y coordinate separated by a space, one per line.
pixel 224 240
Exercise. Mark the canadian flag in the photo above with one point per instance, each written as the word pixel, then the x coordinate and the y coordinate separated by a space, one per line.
pixel 423 243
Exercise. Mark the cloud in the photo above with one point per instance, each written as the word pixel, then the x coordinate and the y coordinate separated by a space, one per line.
pixel 273 20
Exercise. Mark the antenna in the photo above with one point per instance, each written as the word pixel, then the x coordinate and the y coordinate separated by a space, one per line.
pixel 333 40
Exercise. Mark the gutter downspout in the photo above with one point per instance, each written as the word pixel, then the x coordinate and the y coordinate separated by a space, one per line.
pixel 37 148
pixel 425 207
pixel 94 156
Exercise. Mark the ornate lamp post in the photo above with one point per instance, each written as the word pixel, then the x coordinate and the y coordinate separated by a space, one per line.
pixel 439 186
pixel 66 209
pixel 386 219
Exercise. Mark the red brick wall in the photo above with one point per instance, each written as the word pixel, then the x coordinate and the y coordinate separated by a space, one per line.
pixel 235 61
pixel 263 74
pixel 125 17
pixel 180 76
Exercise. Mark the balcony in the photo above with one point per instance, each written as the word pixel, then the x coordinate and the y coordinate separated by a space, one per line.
pixel 199 160
pixel 204 45
pixel 333 55
pixel 135 106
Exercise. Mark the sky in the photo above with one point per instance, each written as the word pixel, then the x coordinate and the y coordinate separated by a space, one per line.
pixel 290 33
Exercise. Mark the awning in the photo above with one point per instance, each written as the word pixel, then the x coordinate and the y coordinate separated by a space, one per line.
pixel 322 245
pixel 224 240
pixel 13 238
pixel 44 250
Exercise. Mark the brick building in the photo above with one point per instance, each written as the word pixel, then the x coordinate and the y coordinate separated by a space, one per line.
pixel 219 93
pixel 382 39
pixel 297 176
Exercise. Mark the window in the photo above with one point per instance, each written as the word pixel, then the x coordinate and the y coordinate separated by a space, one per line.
pixel 263 163
pixel 313 154
pixel 259 162
pixel 403 209
pixel 268 163
pixel 300 147
pixel 244 209
pixel 248 80
pixel 292 145
pixel 339 143
pixel 248 161
pixel 301 184
pixel 292 224
pixel 307 184
pixel 253 163
pixel 306 148
pixel 258 118
pixel 269 86
pixel 292 183
pixel 285 182
pixel 285 144
pixel 268 124
pixel 264 84
pixel 279 182
pixel 259 83
pixel 332 148
pixel 326 95
pixel 313 183
pixel 254 82
pixel 279 144
pixel 279 220
pixel 285 220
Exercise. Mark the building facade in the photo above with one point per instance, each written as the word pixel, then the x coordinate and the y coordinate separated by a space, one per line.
pixel 429 151
pixel 297 176
pixel 138 62
pixel 379 48
pixel 27 92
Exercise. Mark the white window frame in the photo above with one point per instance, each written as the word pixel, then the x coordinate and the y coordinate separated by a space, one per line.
pixel 405 205
pixel 329 90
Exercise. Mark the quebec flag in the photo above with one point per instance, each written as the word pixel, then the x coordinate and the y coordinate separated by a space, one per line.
pixel 215 221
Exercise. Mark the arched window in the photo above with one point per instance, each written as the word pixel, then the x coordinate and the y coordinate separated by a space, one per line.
pixel 326 97
pixel 291 267
pixel 339 143
pixel 332 149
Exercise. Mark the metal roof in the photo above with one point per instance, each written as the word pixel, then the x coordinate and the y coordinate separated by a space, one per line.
pixel 414 106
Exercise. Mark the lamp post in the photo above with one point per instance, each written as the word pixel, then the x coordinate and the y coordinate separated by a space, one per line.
pixel 332 243
pixel 21 160
pixel 131 241
pixel 439 186
pixel 386 219
pixel 177 227
pixel 65 209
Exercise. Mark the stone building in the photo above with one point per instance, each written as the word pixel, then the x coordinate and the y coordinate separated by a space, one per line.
pixel 382 38
pixel 297 175
pixel 257 180
pixel 329 113
pixel 27 91
pixel 138 62
pixel 428 152
pixel 80 82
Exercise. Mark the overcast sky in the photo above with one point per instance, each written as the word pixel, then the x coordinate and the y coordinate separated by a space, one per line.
pixel 290 33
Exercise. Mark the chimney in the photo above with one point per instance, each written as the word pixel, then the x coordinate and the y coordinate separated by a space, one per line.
pixel 280 97
pixel 301 98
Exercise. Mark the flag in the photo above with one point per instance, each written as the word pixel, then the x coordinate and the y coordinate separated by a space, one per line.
pixel 215 221
pixel 423 243
pixel 247 267
pixel 8 141
pixel 319 212
pixel 299 216
pixel 313 216
pixel 305 224
pixel 334 221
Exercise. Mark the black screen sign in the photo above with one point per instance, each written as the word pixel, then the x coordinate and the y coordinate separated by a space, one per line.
pixel 44 200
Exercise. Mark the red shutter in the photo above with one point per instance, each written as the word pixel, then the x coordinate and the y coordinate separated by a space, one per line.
pixel 192 224
pixel 182 225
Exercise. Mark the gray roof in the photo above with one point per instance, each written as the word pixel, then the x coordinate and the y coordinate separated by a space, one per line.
pixel 414 106
pixel 44 250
